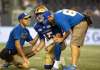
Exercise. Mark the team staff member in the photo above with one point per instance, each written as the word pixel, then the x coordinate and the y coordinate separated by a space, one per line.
pixel 17 38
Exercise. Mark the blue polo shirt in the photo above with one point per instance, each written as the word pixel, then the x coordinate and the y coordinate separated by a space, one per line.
pixel 18 33
pixel 67 19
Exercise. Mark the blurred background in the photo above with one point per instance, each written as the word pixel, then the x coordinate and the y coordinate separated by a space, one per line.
pixel 9 10
pixel 89 60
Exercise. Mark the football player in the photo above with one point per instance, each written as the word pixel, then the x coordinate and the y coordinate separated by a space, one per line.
pixel 47 32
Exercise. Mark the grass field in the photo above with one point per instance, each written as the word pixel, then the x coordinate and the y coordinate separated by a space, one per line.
pixel 89 59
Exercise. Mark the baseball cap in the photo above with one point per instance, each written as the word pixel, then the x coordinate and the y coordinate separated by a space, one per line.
pixel 23 15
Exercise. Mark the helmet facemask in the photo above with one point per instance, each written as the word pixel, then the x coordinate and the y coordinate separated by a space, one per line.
pixel 40 18
pixel 39 13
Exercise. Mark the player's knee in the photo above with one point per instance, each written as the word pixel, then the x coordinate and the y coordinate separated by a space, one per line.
pixel 75 45
pixel 4 55
pixel 48 67
pixel 63 48
pixel 78 46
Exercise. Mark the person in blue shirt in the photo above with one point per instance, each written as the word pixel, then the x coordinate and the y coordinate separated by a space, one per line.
pixel 74 23
pixel 46 32
pixel 15 43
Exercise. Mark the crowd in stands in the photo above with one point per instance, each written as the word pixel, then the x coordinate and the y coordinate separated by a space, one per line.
pixel 91 7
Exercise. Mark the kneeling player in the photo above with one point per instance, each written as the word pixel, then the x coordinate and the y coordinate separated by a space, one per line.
pixel 15 44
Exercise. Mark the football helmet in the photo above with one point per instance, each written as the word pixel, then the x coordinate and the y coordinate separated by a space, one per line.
pixel 40 9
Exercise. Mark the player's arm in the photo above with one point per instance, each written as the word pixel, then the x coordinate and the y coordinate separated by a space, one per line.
pixel 61 39
pixel 18 46
pixel 49 47
pixel 33 42
pixel 39 46
pixel 20 51
pixel 41 43
pixel 65 35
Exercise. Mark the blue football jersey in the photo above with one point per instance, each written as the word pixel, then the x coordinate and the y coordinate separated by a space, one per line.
pixel 45 30
pixel 66 18
pixel 18 33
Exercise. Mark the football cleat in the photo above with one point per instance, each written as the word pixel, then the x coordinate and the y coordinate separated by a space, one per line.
pixel 60 67
pixel 71 67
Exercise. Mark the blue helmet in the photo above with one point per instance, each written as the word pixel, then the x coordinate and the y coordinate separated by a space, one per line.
pixel 43 10
pixel 40 9
pixel 46 14
pixel 42 13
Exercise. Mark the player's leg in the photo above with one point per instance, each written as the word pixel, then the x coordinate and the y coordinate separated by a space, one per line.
pixel 18 61
pixel 63 46
pixel 7 56
pixel 49 58
pixel 53 54
pixel 11 56
pixel 28 51
pixel 57 52
pixel 78 35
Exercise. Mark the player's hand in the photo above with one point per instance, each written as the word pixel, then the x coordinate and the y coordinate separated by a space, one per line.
pixel 33 49
pixel 46 49
pixel 59 40
pixel 25 65
pixel 49 49
pixel 26 61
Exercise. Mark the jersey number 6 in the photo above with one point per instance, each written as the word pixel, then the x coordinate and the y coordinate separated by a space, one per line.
pixel 69 12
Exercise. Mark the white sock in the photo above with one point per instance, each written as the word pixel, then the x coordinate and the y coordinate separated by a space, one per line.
pixel 74 65
pixel 56 64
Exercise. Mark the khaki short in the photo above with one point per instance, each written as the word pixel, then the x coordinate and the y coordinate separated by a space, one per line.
pixel 78 33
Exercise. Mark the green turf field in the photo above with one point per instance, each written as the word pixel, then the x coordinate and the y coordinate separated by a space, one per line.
pixel 89 59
